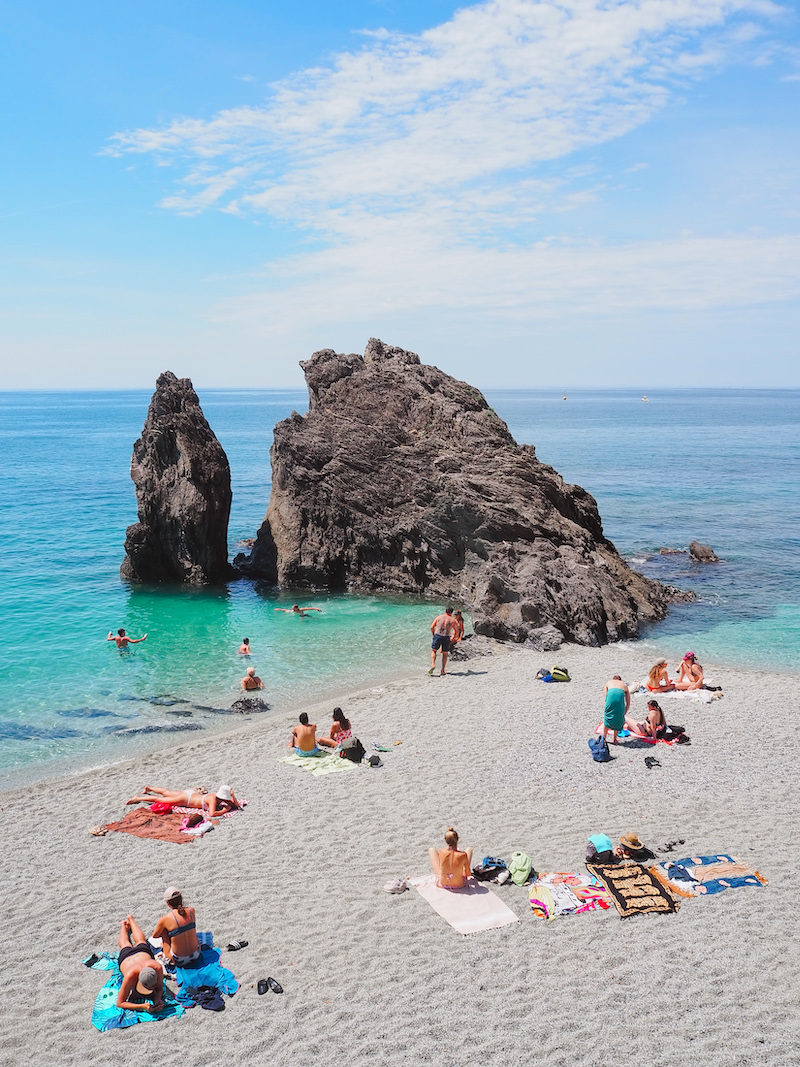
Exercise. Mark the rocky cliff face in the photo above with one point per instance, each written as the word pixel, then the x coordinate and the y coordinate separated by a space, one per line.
pixel 183 493
pixel 401 478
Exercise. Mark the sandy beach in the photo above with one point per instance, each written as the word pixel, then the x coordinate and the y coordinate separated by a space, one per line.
pixel 381 979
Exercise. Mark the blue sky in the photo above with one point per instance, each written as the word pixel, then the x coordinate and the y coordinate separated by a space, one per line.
pixel 582 192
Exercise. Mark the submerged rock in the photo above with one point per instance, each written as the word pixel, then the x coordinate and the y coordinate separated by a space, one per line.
pixel 248 704
pixel 702 553
pixel 403 479
pixel 183 493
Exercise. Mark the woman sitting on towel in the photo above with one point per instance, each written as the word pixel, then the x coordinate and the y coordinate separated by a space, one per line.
pixel 654 725
pixel 340 730
pixel 451 865
pixel 142 986
pixel 691 675
pixel 178 930
pixel 211 804
pixel 658 680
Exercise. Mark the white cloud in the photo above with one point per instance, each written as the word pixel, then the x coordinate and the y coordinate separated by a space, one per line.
pixel 414 160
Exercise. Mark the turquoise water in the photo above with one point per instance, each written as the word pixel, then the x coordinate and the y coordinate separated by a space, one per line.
pixel 719 466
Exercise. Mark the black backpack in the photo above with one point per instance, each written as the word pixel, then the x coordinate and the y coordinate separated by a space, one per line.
pixel 599 750
pixel 352 749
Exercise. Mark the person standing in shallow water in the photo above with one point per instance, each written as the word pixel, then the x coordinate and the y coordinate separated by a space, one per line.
pixel 244 647
pixel 442 629
pixel 251 681
pixel 122 640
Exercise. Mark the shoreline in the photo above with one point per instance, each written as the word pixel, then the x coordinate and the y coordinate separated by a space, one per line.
pixel 299 873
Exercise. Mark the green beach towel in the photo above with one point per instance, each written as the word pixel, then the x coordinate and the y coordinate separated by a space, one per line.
pixel 319 765
pixel 520 868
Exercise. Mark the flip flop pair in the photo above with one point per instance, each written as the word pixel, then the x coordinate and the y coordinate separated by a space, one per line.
pixel 269 983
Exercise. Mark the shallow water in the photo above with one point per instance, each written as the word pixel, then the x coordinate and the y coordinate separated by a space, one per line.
pixel 718 466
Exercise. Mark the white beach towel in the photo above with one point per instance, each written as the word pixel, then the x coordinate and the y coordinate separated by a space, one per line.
pixel 702 696
pixel 468 910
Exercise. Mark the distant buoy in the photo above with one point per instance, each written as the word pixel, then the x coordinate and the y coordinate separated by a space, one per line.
pixel 565 396
pixel 646 399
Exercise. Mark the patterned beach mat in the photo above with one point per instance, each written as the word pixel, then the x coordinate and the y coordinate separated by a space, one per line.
pixel 635 890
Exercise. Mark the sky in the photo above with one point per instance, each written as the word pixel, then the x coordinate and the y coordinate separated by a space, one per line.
pixel 528 193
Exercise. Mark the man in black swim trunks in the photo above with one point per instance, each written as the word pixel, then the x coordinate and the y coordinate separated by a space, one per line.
pixel 142 986
pixel 442 629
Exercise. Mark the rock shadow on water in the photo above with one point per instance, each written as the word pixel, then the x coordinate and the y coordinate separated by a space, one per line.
pixel 16 731
pixel 152 728
pixel 90 713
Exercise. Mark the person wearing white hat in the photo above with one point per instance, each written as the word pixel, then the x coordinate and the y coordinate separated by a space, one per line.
pixel 211 804
pixel 178 930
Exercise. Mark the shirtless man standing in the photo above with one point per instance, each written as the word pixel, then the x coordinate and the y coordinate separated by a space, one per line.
pixel 251 680
pixel 123 640
pixel 442 629
pixel 304 738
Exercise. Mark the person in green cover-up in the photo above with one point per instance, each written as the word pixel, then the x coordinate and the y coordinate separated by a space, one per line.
pixel 618 701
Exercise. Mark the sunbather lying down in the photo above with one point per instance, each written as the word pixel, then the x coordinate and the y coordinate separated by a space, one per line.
pixel 451 865
pixel 210 804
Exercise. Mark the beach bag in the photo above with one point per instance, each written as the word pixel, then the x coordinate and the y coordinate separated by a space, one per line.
pixel 352 749
pixel 489 869
pixel 521 868
pixel 560 674
pixel 544 675
pixel 599 749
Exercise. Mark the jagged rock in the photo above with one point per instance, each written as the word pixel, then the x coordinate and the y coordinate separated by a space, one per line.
pixel 403 479
pixel 183 493
pixel 248 704
pixel 702 553
pixel 672 551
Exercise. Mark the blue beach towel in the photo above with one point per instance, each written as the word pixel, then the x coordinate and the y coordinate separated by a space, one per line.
pixel 205 971
pixel 106 1014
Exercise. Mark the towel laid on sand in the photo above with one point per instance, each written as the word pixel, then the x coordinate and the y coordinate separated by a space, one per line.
pixel 634 889
pixel 107 1016
pixel 563 893
pixel 319 765
pixel 207 972
pixel 698 876
pixel 141 822
pixel 701 696
pixel 467 910
pixel 219 815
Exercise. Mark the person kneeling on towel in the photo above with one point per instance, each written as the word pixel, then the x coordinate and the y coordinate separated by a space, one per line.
pixel 451 865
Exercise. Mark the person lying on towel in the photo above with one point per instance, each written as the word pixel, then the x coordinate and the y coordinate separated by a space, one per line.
pixel 655 726
pixel 452 865
pixel 142 986
pixel 211 804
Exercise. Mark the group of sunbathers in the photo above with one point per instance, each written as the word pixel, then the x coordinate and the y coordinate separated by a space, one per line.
pixel 616 715
pixel 304 736
pixel 142 986
pixel 690 676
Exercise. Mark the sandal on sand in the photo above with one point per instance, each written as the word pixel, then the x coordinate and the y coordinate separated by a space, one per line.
pixel 98 831
pixel 234 946
pixel 274 985
pixel 262 986
pixel 650 762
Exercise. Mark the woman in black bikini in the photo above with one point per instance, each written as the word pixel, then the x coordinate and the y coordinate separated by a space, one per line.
pixel 178 930
pixel 142 986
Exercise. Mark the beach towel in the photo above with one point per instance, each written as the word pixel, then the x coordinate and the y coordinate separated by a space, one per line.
pixel 319 765
pixel 698 876
pixel 701 696
pixel 634 889
pixel 107 1016
pixel 141 822
pixel 557 893
pixel 220 815
pixel 468 910
pixel 206 972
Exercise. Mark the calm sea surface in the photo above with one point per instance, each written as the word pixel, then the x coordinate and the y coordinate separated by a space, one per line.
pixel 719 466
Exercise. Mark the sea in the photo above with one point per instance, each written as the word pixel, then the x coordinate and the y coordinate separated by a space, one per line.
pixel 718 466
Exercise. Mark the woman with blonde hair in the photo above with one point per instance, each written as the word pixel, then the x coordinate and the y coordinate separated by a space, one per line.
pixel 658 679
pixel 178 930
pixel 452 865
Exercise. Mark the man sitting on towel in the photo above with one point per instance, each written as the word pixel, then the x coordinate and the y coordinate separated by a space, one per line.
pixel 304 738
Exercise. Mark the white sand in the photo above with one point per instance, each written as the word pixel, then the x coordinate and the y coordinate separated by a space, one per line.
pixel 376 979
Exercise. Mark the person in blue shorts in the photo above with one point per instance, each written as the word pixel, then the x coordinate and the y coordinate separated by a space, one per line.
pixel 442 630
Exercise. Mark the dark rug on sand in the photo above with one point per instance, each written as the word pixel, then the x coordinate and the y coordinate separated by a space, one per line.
pixel 634 889
pixel 141 822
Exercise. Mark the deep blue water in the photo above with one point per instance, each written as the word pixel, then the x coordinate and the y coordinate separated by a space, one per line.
pixel 718 466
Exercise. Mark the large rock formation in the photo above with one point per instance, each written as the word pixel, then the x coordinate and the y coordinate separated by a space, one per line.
pixel 183 493
pixel 401 478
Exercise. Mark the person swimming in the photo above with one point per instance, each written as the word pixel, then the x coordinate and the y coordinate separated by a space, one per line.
pixel 295 609
pixel 211 804
pixel 122 640
pixel 244 647
pixel 452 865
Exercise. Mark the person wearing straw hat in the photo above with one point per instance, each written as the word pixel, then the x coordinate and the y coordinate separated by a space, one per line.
pixel 632 848
pixel 142 986
pixel 178 930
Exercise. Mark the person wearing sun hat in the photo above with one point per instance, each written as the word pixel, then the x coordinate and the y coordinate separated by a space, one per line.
pixel 142 986
pixel 211 804
pixel 633 849
pixel 691 673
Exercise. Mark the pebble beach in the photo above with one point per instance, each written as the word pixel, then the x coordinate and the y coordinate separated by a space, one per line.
pixel 375 978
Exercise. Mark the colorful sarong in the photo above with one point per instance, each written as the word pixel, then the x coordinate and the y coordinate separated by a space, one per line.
pixel 564 893
pixel 634 889
pixel 697 876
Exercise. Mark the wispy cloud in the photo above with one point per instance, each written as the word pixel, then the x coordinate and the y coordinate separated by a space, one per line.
pixel 414 160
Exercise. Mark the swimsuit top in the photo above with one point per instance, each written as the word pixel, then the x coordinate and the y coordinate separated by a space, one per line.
pixel 182 929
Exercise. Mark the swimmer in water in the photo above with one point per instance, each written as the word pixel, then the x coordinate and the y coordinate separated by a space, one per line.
pixel 295 609
pixel 123 640
pixel 244 647
pixel 251 680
